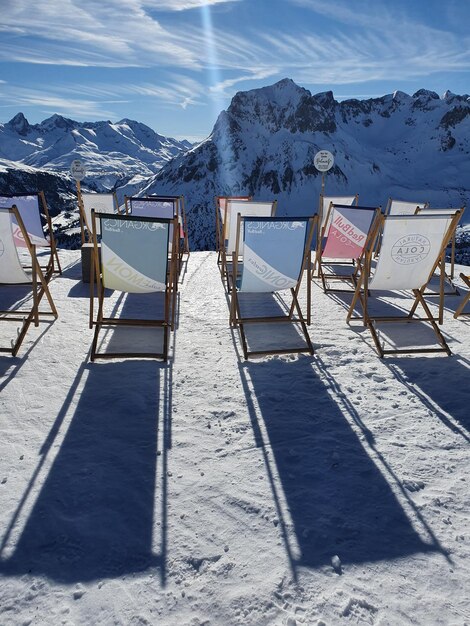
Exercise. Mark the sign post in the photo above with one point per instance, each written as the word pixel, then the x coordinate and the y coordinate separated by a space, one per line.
pixel 323 161
pixel 77 169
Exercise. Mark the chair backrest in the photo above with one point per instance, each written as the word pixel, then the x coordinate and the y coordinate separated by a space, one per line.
pixel 411 246
pixel 134 252
pixel 100 203
pixel 221 202
pixel 153 207
pixel 349 231
pixel 243 207
pixel 11 270
pixel 446 211
pixel 29 207
pixel 403 207
pixel 325 202
pixel 274 252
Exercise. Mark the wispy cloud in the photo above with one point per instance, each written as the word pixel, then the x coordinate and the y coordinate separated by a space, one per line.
pixel 90 33
pixel 49 103
pixel 182 5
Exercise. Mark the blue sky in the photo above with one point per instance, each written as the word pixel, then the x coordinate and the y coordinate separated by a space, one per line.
pixel 175 64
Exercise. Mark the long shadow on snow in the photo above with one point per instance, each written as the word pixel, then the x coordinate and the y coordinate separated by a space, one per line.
pixel 439 385
pixel 338 500
pixel 94 516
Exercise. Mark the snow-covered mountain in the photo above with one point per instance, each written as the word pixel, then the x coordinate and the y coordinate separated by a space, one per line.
pixel 114 154
pixel 407 147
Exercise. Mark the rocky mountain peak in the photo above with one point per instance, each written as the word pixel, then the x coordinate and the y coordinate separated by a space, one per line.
pixel 19 124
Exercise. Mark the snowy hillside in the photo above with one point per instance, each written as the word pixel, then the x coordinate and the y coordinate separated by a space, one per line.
pixel 114 154
pixel 284 491
pixel 407 147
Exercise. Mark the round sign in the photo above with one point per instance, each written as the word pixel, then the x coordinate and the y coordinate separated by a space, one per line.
pixel 77 170
pixel 323 161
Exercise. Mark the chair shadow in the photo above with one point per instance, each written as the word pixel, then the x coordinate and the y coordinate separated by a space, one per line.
pixel 263 336
pixel 338 500
pixel 136 338
pixel 96 512
pixel 436 384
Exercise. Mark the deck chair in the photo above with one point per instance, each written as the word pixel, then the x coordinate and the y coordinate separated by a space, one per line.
pixel 12 274
pixel 100 203
pixel 403 207
pixel 351 233
pixel 134 259
pixel 274 253
pixel 232 209
pixel 220 204
pixel 399 207
pixel 36 218
pixel 323 211
pixel 412 246
pixel 460 310
pixel 163 208
pixel 182 220
pixel 446 211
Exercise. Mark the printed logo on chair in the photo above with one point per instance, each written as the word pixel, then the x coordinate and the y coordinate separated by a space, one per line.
pixel 122 276
pixel 348 233
pixel 411 249
pixel 134 255
pixel 273 253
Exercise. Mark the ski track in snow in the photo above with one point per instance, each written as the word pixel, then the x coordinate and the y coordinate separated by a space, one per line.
pixel 284 490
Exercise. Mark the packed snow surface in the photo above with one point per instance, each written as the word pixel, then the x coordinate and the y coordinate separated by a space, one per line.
pixel 318 490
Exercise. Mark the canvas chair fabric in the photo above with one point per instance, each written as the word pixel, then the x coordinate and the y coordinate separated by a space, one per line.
pixel 220 206
pixel 327 201
pixel 182 220
pixel 351 232
pixel 399 207
pixel 135 259
pixel 274 255
pixel 100 203
pixel 13 273
pixel 412 246
pixel 251 208
pixel 446 211
pixel 33 210
pixel 229 241
pixel 152 207
pixel 404 207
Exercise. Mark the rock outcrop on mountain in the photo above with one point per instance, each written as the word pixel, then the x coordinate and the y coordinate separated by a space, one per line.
pixel 407 147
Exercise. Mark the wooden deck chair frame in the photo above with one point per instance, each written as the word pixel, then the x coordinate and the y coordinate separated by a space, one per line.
pixel 184 248
pixel 168 320
pixel 228 220
pixel 38 283
pixel 219 221
pixel 86 226
pixel 441 262
pixel 362 293
pixel 295 314
pixel 53 264
pixel 358 261
pixel 460 310
pixel 430 211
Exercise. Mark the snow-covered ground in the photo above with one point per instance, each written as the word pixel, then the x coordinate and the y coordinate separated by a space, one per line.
pixel 286 490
